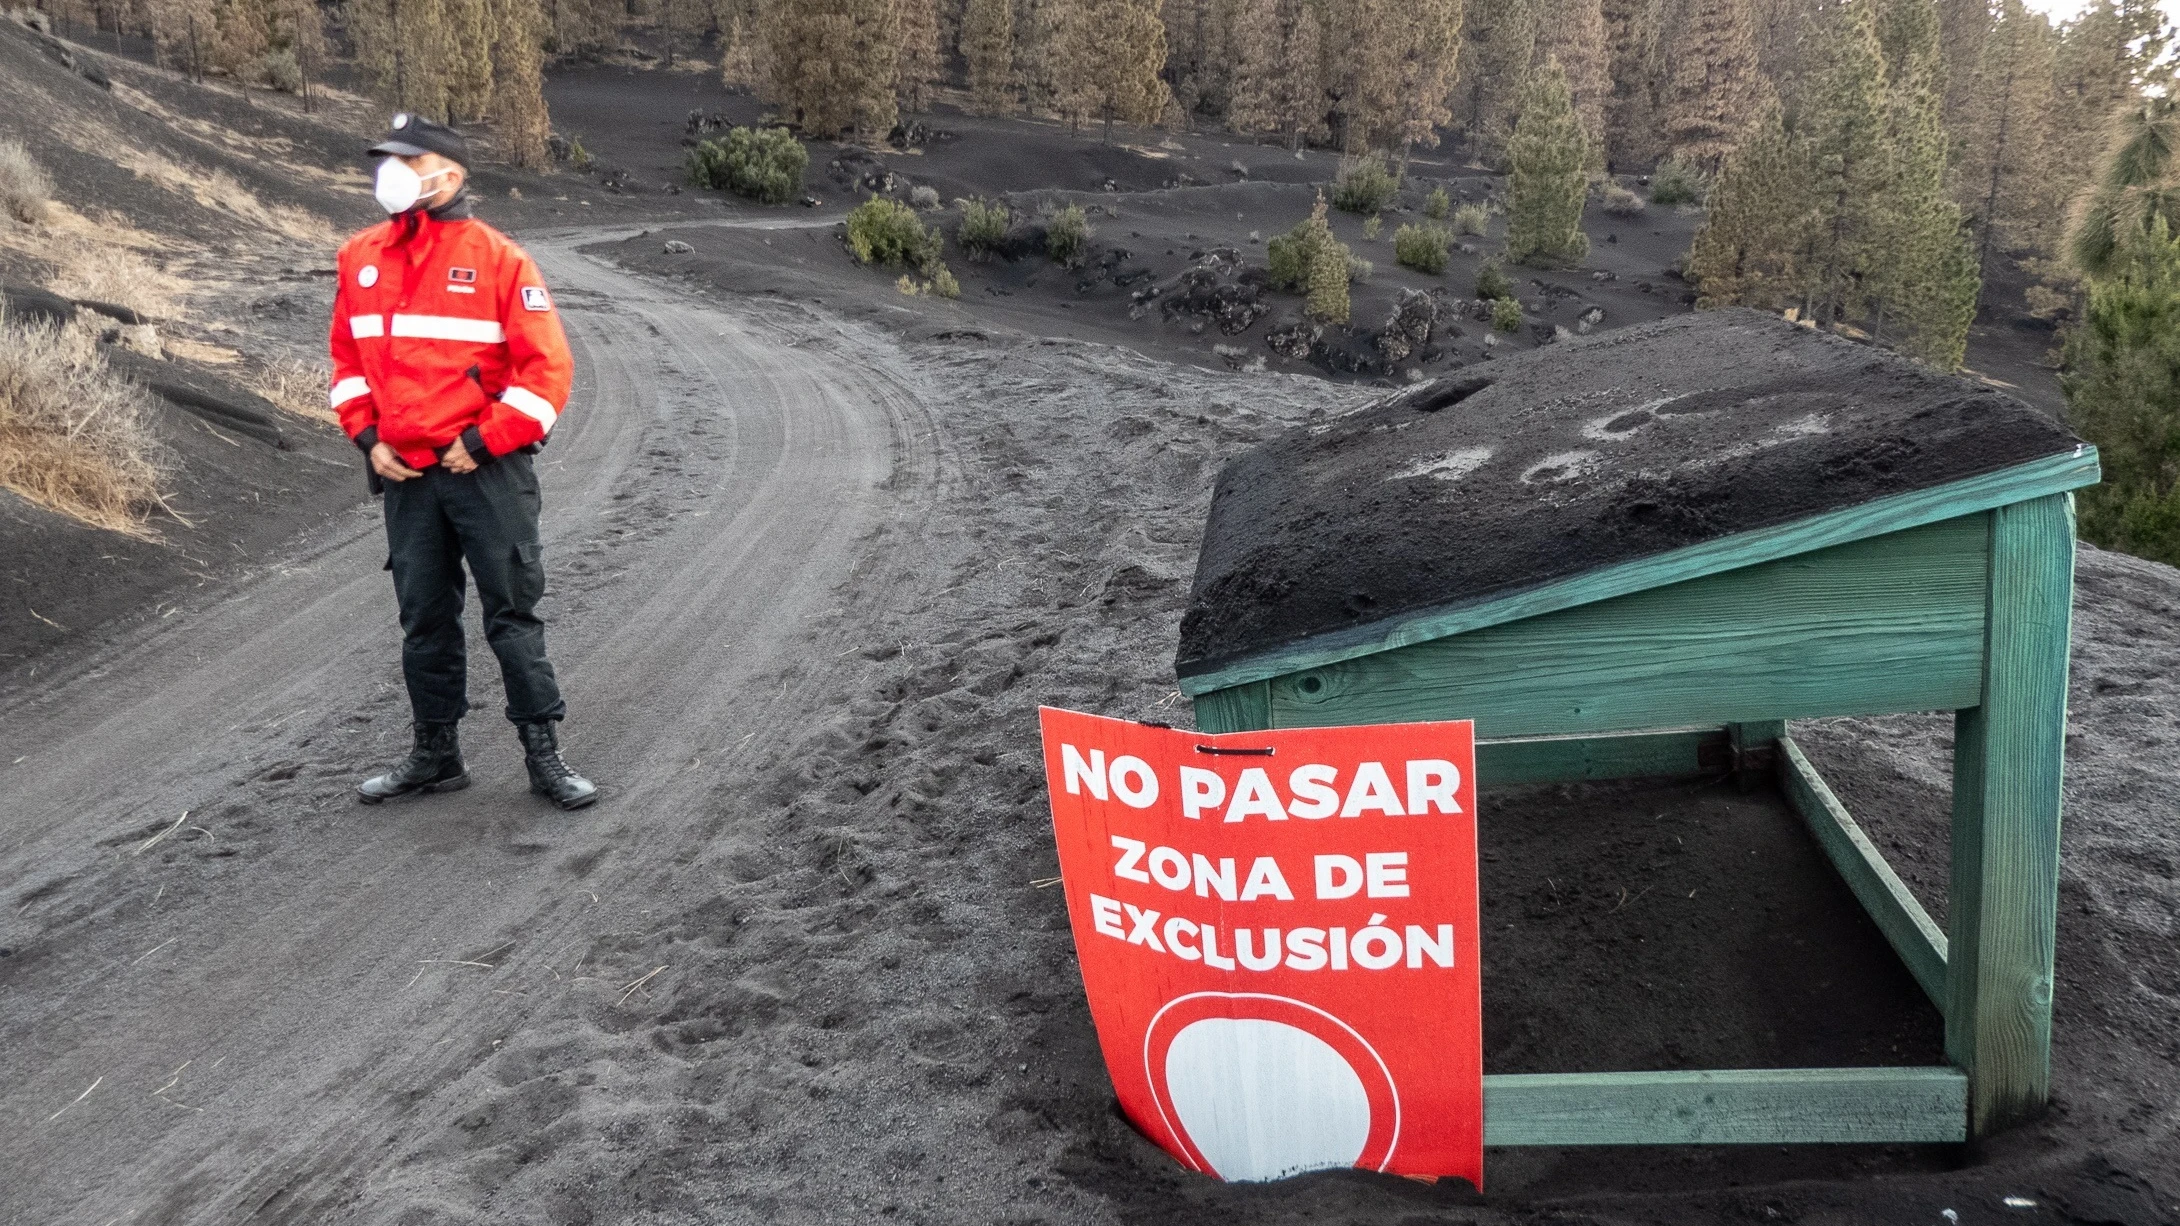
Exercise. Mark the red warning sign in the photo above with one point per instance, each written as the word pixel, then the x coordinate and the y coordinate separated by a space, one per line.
pixel 1277 933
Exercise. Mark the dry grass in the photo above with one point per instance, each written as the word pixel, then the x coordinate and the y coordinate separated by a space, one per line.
pixel 24 189
pixel 221 192
pixel 109 272
pixel 297 387
pixel 73 437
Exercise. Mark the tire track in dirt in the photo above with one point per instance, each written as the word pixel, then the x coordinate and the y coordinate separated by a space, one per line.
pixel 262 992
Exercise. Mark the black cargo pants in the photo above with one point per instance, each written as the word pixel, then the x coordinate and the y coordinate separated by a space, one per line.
pixel 488 518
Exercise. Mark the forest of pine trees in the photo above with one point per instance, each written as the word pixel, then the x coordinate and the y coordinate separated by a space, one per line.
pixel 1883 167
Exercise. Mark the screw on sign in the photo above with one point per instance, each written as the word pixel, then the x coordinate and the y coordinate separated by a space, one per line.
pixel 1278 939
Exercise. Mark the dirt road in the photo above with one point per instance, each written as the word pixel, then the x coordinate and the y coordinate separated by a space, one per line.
pixel 222 982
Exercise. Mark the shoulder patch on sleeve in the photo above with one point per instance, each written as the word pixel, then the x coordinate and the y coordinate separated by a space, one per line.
pixel 534 299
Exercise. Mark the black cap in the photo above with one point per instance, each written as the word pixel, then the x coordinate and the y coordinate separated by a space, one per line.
pixel 411 135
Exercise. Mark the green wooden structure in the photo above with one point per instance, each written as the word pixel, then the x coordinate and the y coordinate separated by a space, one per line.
pixel 1690 661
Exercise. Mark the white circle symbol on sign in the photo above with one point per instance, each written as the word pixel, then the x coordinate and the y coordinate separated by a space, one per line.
pixel 1265 1100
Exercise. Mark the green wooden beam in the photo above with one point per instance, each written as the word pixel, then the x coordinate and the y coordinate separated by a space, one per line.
pixel 2007 759
pixel 1562 759
pixel 1914 935
pixel 1753 747
pixel 1243 708
pixel 1892 623
pixel 2052 475
pixel 1727 1107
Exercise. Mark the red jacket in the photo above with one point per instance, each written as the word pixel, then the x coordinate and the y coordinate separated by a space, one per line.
pixel 443 329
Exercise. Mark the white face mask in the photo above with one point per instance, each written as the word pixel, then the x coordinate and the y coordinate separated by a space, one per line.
pixel 399 187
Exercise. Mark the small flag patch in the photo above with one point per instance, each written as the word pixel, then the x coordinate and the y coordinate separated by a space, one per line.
pixel 534 299
pixel 464 275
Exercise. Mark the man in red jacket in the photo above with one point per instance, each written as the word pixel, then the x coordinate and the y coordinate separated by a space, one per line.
pixel 449 370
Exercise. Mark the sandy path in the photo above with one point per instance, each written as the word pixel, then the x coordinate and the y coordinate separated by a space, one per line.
pixel 254 1024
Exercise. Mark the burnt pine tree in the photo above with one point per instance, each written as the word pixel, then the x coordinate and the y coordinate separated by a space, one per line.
pixel 1498 41
pixel 1279 48
pixel 521 124
pixel 1573 33
pixel 1548 179
pixel 916 54
pixel 987 46
pixel 1713 86
pixel 1429 47
pixel 1631 39
pixel 830 64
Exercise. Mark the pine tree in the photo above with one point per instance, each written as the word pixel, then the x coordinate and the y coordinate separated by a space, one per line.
pixel 2137 189
pixel 1124 48
pixel 1548 181
pixel 1922 288
pixel 987 45
pixel 1276 85
pixel 2105 57
pixel 830 64
pixel 1430 51
pixel 182 34
pixel 404 48
pixel 2123 394
pixel 916 64
pixel 1714 86
pixel 470 29
pixel 1840 132
pixel 1631 38
pixel 240 40
pixel 739 44
pixel 1964 27
pixel 1753 222
pixel 1363 43
pixel 1326 269
pixel 1499 40
pixel 1573 33
pixel 1202 55
pixel 521 124
pixel 2006 108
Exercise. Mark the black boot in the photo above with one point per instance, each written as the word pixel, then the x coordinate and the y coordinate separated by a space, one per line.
pixel 550 774
pixel 434 765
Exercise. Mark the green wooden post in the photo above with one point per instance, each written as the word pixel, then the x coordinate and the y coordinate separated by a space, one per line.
pixel 2007 759
pixel 1754 749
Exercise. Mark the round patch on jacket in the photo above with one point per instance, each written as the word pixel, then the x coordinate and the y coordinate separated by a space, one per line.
pixel 367 276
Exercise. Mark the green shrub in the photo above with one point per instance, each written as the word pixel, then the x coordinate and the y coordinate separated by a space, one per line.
pixel 1437 204
pixel 1067 234
pixel 885 232
pixel 1294 254
pixel 1678 182
pixel 1506 315
pixel 1373 227
pixel 1359 269
pixel 281 72
pixel 1619 201
pixel 984 226
pixel 579 158
pixel 1471 219
pixel 1422 248
pixel 1365 187
pixel 943 283
pixel 1492 282
pixel 762 164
